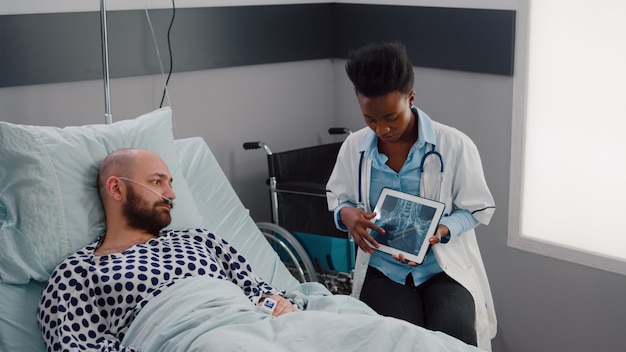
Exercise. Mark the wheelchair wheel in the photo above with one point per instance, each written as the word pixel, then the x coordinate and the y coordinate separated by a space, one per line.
pixel 290 251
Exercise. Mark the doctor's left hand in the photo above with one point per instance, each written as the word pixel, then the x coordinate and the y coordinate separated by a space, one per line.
pixel 442 235
pixel 439 237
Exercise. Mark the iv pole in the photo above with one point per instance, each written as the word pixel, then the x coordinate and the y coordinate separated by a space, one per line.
pixel 105 63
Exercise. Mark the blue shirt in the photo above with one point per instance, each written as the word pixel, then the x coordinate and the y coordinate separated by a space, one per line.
pixel 407 180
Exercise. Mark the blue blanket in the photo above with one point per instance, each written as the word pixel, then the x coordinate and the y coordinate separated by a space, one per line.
pixel 206 314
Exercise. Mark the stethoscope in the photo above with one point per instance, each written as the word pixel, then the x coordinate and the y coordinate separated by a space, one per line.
pixel 430 154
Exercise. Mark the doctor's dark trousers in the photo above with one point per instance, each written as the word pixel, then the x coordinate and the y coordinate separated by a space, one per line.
pixel 439 304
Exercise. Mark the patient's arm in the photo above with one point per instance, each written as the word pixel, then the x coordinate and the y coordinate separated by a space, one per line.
pixel 69 313
pixel 239 271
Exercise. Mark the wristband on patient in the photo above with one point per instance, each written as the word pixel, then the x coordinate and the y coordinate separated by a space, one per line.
pixel 268 305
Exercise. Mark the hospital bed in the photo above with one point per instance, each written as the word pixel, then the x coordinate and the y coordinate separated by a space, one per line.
pixel 67 160
pixel 49 207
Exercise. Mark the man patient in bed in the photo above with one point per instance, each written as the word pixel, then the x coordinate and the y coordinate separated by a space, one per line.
pixel 94 295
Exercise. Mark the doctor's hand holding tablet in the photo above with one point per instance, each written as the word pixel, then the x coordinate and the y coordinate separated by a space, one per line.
pixel 402 225
pixel 360 225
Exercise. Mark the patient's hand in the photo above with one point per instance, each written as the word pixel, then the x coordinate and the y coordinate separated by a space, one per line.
pixel 283 305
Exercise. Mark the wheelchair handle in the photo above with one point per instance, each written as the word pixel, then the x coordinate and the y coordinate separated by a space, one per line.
pixel 252 145
pixel 338 130
pixel 257 145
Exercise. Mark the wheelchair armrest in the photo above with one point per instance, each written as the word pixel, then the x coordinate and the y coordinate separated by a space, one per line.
pixel 302 187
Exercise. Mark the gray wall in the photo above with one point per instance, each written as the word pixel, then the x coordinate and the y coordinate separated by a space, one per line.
pixel 286 105
pixel 542 304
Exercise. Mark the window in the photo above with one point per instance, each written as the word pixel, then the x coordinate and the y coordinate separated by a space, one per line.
pixel 568 180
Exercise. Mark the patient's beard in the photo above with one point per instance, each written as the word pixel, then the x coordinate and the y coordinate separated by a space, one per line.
pixel 144 216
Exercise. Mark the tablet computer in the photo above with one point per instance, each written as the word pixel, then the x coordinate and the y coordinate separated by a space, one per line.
pixel 409 221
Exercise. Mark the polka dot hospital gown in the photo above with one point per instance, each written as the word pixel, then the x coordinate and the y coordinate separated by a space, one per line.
pixel 89 301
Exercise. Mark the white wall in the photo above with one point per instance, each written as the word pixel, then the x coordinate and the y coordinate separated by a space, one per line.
pixel 47 6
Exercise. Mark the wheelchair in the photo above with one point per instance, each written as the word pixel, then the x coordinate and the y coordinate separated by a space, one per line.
pixel 302 230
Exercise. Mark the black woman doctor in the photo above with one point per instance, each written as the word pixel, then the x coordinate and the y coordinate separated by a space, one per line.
pixel 449 291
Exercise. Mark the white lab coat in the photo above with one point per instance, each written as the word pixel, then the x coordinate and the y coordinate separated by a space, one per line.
pixel 463 186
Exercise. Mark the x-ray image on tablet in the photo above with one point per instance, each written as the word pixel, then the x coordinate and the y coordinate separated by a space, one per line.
pixel 409 221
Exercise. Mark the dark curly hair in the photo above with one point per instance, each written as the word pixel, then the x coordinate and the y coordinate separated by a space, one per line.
pixel 380 68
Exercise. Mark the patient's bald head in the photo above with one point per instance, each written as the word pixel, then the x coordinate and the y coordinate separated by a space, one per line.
pixel 117 163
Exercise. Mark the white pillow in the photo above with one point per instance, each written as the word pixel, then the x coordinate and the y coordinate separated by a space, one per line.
pixel 49 202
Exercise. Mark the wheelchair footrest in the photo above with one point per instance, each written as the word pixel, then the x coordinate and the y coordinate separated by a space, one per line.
pixel 330 253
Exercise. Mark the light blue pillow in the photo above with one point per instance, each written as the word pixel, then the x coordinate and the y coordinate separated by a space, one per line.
pixel 18 317
pixel 225 215
pixel 49 202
